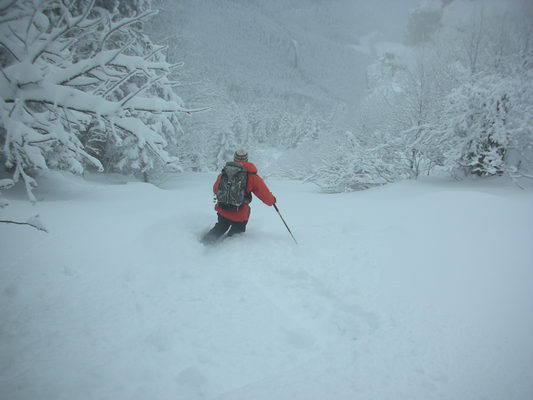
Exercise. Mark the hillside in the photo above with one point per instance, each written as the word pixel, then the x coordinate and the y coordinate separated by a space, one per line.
pixel 260 50
pixel 417 290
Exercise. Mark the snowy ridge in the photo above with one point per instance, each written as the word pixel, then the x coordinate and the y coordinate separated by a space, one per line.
pixel 417 290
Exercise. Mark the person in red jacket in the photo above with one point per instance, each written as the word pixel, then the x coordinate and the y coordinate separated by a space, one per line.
pixel 236 220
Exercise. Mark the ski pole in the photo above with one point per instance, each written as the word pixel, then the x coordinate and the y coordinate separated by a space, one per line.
pixel 286 226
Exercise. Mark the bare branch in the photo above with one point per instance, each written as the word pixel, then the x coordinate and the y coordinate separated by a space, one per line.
pixel 171 110
pixel 36 226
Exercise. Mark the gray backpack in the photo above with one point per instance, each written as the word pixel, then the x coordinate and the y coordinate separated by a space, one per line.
pixel 231 191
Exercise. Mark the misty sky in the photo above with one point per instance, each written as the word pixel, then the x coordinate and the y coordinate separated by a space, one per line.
pixel 251 42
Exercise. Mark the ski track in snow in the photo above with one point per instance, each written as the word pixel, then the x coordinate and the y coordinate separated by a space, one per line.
pixel 410 291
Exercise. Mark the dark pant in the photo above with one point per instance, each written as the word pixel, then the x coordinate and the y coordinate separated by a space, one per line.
pixel 222 226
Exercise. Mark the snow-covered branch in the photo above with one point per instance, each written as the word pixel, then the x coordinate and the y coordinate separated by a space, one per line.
pixel 124 22
pixel 72 74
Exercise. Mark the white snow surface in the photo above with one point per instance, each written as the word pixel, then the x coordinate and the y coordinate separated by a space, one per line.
pixel 416 290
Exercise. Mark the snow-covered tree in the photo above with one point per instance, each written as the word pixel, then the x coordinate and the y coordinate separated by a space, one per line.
pixel 393 118
pixel 460 99
pixel 486 126
pixel 423 22
pixel 80 85
pixel 352 165
pixel 485 123
pixel 475 121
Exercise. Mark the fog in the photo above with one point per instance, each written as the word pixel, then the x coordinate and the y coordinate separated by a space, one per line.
pixel 277 74
pixel 319 49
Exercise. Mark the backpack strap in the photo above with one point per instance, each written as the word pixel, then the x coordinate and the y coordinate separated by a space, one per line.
pixel 248 195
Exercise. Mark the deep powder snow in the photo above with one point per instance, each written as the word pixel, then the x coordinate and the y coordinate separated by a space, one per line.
pixel 417 290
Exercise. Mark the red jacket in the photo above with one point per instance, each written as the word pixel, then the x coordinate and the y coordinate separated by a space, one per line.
pixel 255 185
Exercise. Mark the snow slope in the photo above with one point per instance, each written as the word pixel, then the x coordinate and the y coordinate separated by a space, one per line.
pixel 417 290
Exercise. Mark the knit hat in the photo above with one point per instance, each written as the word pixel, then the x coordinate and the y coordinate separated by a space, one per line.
pixel 240 155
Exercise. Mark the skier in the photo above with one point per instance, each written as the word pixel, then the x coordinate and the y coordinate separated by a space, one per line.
pixel 236 219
